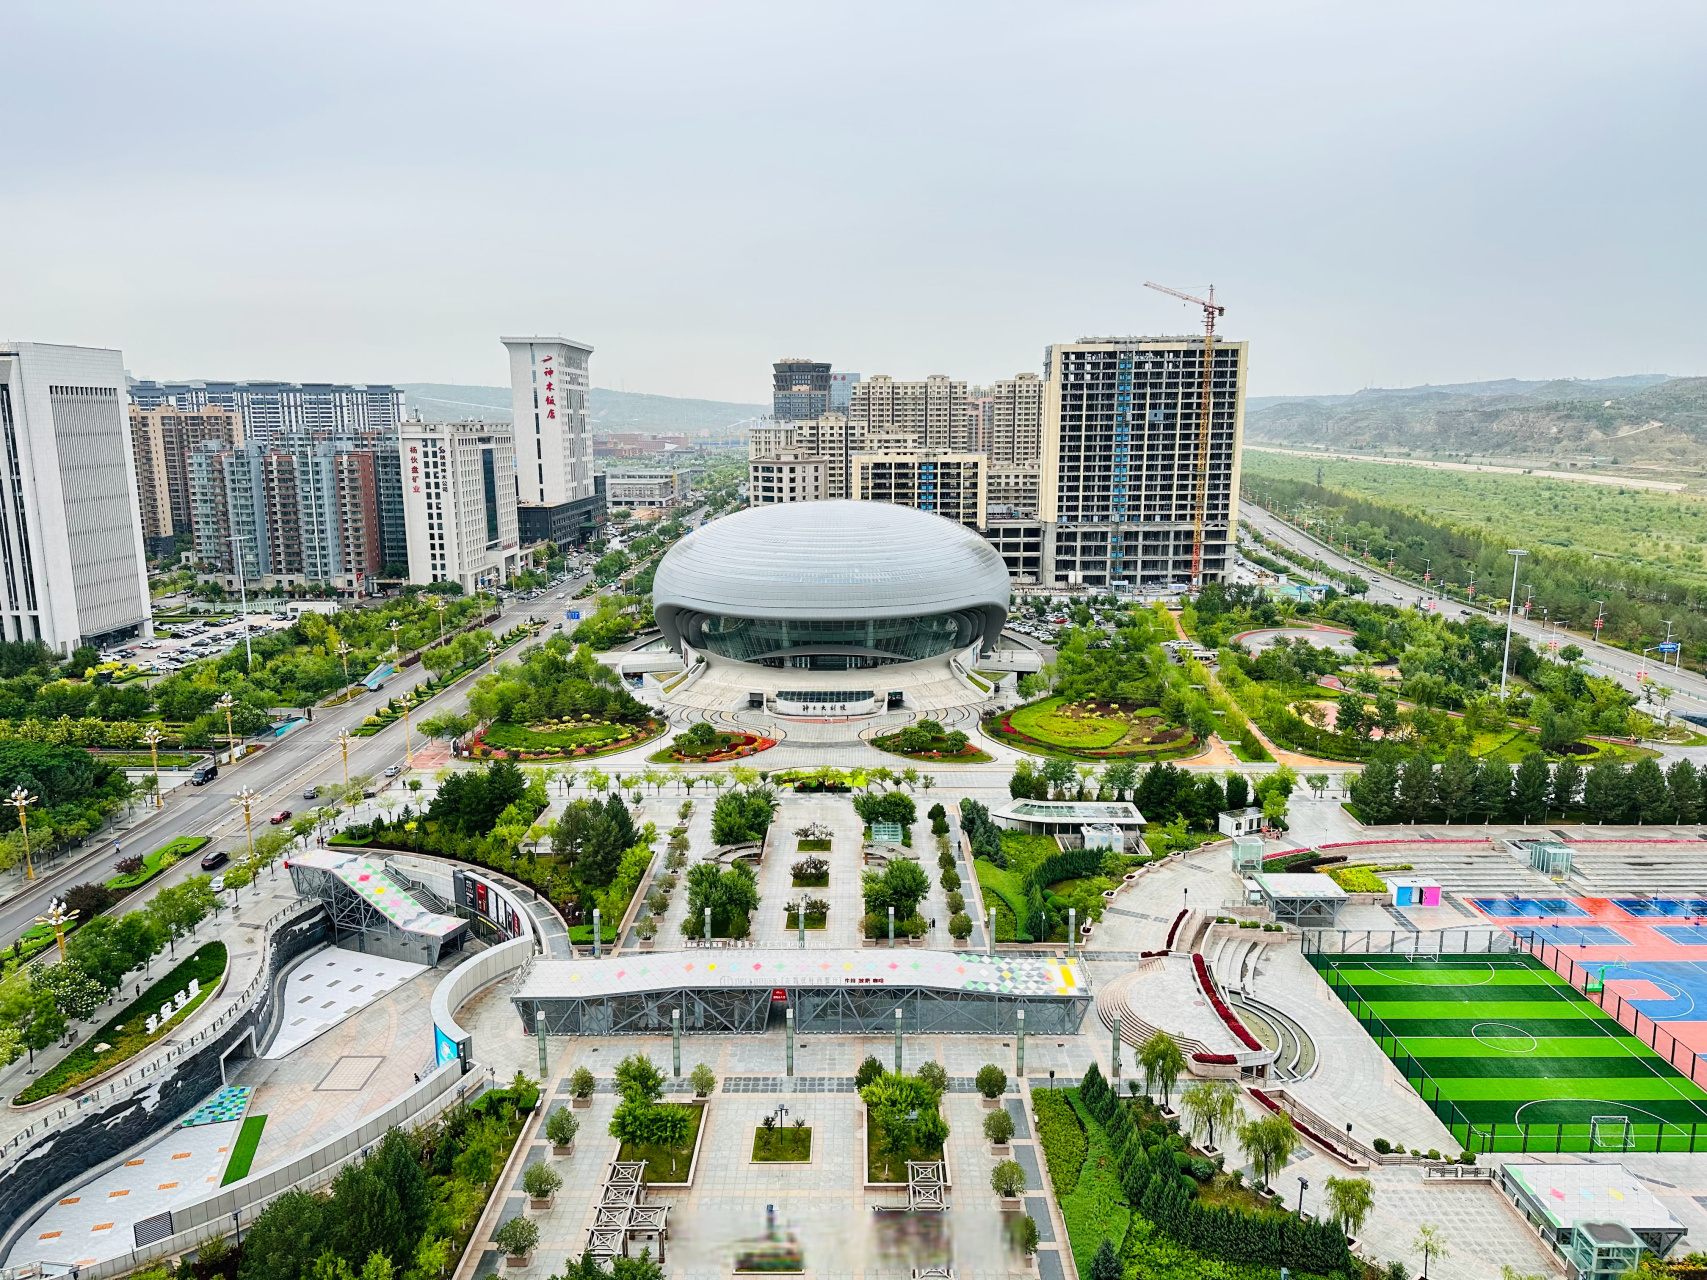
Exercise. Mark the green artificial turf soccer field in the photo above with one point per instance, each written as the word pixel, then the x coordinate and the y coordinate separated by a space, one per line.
pixel 1520 1059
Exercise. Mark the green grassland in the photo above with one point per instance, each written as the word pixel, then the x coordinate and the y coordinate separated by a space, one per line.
pixel 1513 1058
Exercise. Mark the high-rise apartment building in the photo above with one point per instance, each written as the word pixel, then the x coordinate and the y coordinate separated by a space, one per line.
pixel 162 439
pixel 553 480
pixel 459 501
pixel 947 484
pixel 785 476
pixel 1012 413
pixel 933 412
pixel 300 512
pixel 1118 488
pixel 269 411
pixel 799 389
pixel 72 566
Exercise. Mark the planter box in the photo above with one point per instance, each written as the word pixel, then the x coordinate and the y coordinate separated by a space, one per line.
pixel 519 1261
pixel 698 1147
pixel 581 1104
pixel 1001 1150
pixel 1013 1204
pixel 563 1153
pixel 865 1159
pixel 542 1206
pixel 646 943
pixel 989 1104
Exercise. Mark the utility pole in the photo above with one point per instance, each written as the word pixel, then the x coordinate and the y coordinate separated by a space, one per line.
pixel 1516 555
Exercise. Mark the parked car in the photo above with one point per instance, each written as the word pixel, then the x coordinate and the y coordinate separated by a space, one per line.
pixel 218 858
pixel 218 885
pixel 283 815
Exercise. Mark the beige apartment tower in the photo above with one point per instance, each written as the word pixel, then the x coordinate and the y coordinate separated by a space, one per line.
pixel 1120 461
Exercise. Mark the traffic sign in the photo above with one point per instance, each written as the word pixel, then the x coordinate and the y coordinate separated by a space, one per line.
pixel 1669 646
pixel 574 615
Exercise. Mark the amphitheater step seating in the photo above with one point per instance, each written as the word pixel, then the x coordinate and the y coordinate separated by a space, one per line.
pixel 1474 871
pixel 1633 868
pixel 1114 1005
pixel 1297 1057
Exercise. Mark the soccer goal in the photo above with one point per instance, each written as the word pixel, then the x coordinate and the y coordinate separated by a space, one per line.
pixel 1609 1133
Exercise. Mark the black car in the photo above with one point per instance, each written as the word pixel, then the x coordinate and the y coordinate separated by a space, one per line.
pixel 212 861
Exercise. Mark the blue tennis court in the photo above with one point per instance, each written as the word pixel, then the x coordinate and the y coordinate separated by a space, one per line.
pixel 1651 907
pixel 1529 908
pixel 1685 935
pixel 1683 981
pixel 1580 935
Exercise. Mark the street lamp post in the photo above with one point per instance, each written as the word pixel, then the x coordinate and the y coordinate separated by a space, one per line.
pixel 57 919
pixel 344 739
pixel 152 737
pixel 407 701
pixel 1516 554
pixel 20 799
pixel 225 703
pixel 247 798
pixel 441 606
pixel 343 651
pixel 492 656
pixel 394 626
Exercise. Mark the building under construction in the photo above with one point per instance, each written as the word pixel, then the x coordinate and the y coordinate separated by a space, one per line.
pixel 1137 490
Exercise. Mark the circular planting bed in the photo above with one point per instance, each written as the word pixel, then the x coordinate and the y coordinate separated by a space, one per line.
pixel 561 741
pixel 723 746
pixel 1093 728
pixel 938 747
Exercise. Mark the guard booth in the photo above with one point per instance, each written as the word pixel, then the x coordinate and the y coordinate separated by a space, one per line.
pixel 1603 1250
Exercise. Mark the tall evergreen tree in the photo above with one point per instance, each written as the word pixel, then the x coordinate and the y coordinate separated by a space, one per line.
pixel 1106 1264
pixel 1375 790
pixel 1456 784
pixel 1685 787
pixel 1648 794
pixel 1604 790
pixel 1493 789
pixel 1530 787
pixel 1416 788
pixel 1567 783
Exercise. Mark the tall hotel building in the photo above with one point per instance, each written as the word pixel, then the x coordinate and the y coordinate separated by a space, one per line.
pixel 556 495
pixel 72 569
pixel 1120 460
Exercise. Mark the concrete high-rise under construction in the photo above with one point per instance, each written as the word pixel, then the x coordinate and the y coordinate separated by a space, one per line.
pixel 1119 486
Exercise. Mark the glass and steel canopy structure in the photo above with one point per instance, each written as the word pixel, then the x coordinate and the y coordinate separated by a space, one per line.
pixel 832 992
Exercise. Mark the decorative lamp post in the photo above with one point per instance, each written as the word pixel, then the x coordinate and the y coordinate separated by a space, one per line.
pixel 343 651
pixel 225 703
pixel 19 800
pixel 441 606
pixel 58 919
pixel 343 740
pixel 407 701
pixel 247 798
pixel 152 737
pixel 492 656
pixel 394 626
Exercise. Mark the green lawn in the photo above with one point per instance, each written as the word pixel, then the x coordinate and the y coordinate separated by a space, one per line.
pixel 1044 721
pixel 243 1150
pixel 1521 1059
pixel 883 1165
pixel 783 1146
pixel 1007 887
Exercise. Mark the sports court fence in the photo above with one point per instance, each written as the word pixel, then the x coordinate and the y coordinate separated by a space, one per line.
pixel 1511 1136
pixel 1401 942
pixel 1620 1010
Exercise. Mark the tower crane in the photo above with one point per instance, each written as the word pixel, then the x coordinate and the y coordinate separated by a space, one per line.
pixel 1200 507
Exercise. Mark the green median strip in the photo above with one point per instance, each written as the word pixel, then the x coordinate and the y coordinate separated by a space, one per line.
pixel 243 1150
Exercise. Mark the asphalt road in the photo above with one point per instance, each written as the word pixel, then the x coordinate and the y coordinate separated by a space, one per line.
pixel 278 774
pixel 1689 690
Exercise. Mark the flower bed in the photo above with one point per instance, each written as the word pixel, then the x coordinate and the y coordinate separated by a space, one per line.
pixel 154 863
pixel 557 744
pixel 1178 920
pixel 726 746
pixel 1207 984
pixel 941 748
pixel 1215 1059
pixel 127 1034
pixel 1030 728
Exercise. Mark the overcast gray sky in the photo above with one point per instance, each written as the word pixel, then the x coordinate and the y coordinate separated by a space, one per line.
pixel 1383 193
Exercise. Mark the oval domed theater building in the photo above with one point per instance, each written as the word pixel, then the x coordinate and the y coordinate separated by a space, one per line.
pixel 826 587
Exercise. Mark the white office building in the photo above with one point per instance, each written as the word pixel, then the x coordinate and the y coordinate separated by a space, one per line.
pixel 554 432
pixel 72 567
pixel 459 502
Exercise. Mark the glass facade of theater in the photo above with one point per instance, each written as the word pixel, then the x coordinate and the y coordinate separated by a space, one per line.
pixel 833 645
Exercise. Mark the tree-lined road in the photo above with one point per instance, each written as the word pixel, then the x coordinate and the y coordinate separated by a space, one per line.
pixel 1689 689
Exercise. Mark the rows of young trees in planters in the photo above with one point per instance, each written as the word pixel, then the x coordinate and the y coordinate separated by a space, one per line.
pixel 1396 787
pixel 1156 1188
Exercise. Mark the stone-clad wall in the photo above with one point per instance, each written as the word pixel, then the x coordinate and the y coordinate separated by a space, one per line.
pixel 88 1144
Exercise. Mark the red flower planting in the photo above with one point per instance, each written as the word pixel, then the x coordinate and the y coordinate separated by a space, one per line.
pixel 1208 987
pixel 1175 929
pixel 1215 1059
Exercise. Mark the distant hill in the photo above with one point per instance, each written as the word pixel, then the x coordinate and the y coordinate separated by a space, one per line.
pixel 612 411
pixel 1637 419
